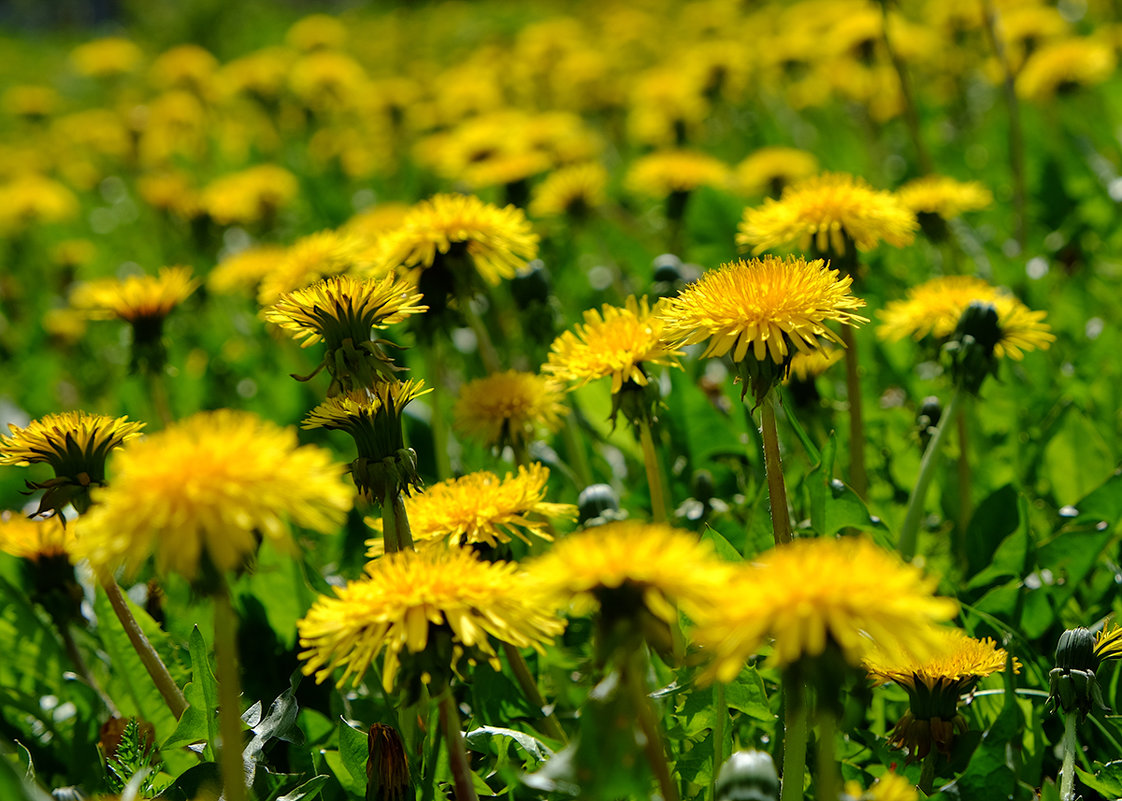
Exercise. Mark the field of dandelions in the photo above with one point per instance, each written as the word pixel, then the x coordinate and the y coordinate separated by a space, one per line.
pixel 617 400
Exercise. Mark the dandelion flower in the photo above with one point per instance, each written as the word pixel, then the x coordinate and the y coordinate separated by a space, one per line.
pixel 808 366
pixel 75 445
pixel 1065 64
pixel 498 241
pixel 508 408
pixel 666 172
pixel 47 547
pixel 31 199
pixel 889 787
pixel 137 299
pixel 199 496
pixel 574 190
pixel 483 509
pixel 440 603
pixel 943 196
pixel 320 255
pixel 827 210
pixel 770 169
pixel 106 57
pixel 934 308
pixel 809 595
pixel 616 342
pixel 244 271
pixel 252 195
pixel 35 540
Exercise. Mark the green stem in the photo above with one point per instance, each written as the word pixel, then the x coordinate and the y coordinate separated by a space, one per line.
pixel 927 774
pixel 229 695
pixel 487 352
pixel 659 512
pixel 390 534
pixel 437 422
pixel 529 686
pixel 827 781
pixel 773 467
pixel 404 530
pixel 632 677
pixel 462 779
pixel 910 530
pixel 721 709
pixel 574 446
pixel 155 666
pixel 1070 746
pixel 158 390
pixel 520 449
pixel 857 477
pixel 965 503
pixel 82 668
pixel 794 740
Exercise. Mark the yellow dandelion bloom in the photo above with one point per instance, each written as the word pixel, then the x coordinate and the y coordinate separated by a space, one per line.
pixel 498 241
pixel 1108 643
pixel 481 508
pixel 616 342
pixel 770 169
pixel 172 191
pixel 574 190
pixel 106 57
pixel 657 565
pixel 343 307
pixel 201 494
pixel 31 199
pixel 35 539
pixel 413 600
pixel 186 66
pixel 70 442
pixel 847 594
pixel 508 408
pixel 319 255
pixel 317 32
pixel 136 298
pixel 355 412
pixel 244 271
pixel 372 223
pixel 956 667
pixel 933 309
pixel 663 173
pixel 768 307
pixel 826 210
pixel 1065 64
pixel 249 196
pixel 808 366
pixel 506 167
pixel 889 787
pixel 30 100
pixel 946 197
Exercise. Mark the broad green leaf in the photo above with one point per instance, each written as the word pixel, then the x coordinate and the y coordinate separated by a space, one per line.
pixel 476 739
pixel 1107 779
pixel 33 656
pixel 1072 555
pixel 200 721
pixel 996 517
pixel 353 753
pixel 14 784
pixel 1076 459
pixel 306 791
pixel 833 504
pixel 724 549
pixel 746 694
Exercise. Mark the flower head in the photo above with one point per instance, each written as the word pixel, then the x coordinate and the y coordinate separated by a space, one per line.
pixel 762 312
pixel 35 540
pixel 770 169
pixel 249 196
pixel 47 548
pixel 574 191
pixel 845 594
pixel 498 241
pixel 75 445
pixel 32 198
pixel 665 172
pixel 135 299
pixel 433 607
pixel 1065 64
pixel 201 494
pixel 827 210
pixel 935 307
pixel 943 196
pixel 243 271
pixel 483 509
pixel 106 57
pixel 508 408
pixel 889 787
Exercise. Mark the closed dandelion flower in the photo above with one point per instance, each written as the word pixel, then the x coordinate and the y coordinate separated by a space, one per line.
pixel 497 241
pixel 574 191
pixel 1064 65
pixel 483 509
pixel 200 495
pixel 846 595
pixel 762 312
pixel 253 195
pixel 75 445
pixel 509 408
pixel 769 170
pixel 933 309
pixel 343 312
pixel 934 687
pixel 825 211
pixel 428 610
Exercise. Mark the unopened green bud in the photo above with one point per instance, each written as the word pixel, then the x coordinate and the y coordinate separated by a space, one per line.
pixel 1076 650
pixel 747 776
pixel 971 346
pixel 598 504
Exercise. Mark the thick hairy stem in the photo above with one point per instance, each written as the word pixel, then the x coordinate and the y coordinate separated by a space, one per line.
pixel 827 780
pixel 1070 745
pixel 654 473
pixel 229 696
pixel 404 530
pixel 389 522
pixel 773 467
pixel 457 754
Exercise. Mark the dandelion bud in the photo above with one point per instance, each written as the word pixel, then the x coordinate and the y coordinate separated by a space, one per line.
pixel 930 412
pixel 387 770
pixel 598 504
pixel 748 776
pixel 1073 685
pixel 971 346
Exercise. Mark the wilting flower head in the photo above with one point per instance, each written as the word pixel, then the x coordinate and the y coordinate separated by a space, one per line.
pixel 373 417
pixel 934 688
pixel 614 342
pixel 343 312
pixel 481 509
pixel 450 228
pixel 816 595
pixel 428 610
pixel 75 445
pixel 762 312
pixel 633 574
pixel 935 307
pixel 201 494
pixel 574 190
pixel 508 408
pixel 827 210
pixel 770 170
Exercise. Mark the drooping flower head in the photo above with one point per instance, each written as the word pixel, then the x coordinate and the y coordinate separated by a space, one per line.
pixel 75 445
pixel 428 610
pixel 826 211
pixel 633 575
pixel 813 596
pixel 934 688
pixel 373 417
pixel 762 312
pixel 447 239
pixel 343 312
pixel 144 302
pixel 482 510
pixel 619 342
pixel 509 408
pixel 201 494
